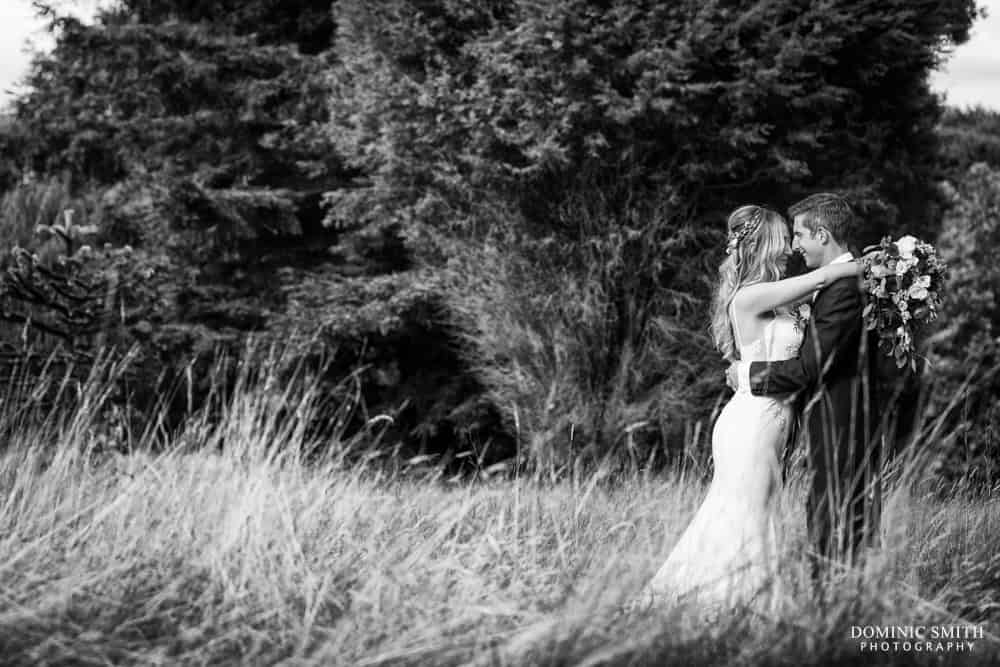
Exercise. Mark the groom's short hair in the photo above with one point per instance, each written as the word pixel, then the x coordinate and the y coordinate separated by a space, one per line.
pixel 828 210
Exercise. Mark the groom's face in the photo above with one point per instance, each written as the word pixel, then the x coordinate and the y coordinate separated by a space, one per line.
pixel 806 243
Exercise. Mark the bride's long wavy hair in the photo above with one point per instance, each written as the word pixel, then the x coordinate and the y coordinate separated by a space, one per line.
pixel 755 248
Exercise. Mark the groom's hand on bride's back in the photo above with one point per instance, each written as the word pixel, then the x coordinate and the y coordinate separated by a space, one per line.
pixel 732 380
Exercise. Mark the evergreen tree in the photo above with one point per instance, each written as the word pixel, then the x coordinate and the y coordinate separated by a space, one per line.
pixel 202 142
pixel 438 102
pixel 201 130
pixel 618 135
pixel 472 156
pixel 965 137
pixel 966 351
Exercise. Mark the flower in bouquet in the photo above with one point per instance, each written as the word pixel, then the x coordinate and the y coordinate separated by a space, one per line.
pixel 903 280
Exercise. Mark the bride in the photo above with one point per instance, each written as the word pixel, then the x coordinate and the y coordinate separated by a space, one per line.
pixel 725 556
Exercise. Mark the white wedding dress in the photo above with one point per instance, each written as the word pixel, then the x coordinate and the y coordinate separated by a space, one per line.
pixel 726 555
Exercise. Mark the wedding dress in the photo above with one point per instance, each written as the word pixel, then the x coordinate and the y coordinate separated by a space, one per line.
pixel 726 555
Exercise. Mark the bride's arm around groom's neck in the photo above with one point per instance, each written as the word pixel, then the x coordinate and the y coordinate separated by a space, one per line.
pixel 834 329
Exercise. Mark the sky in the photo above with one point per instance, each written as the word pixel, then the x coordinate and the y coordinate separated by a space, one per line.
pixel 970 77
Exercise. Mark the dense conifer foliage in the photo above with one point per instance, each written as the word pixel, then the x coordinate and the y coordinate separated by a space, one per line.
pixel 502 217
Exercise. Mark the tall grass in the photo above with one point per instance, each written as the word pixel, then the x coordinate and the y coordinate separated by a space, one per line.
pixel 226 547
pixel 35 203
pixel 592 338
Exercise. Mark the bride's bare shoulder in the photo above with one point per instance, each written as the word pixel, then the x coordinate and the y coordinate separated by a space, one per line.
pixel 742 299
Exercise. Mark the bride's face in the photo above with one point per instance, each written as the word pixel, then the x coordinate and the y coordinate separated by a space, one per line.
pixel 786 254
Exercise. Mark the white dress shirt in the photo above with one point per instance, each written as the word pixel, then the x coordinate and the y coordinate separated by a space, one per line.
pixel 743 367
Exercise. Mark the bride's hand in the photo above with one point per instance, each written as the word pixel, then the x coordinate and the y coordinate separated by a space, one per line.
pixel 732 380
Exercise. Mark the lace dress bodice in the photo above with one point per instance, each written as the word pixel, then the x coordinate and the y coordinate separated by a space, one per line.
pixel 781 339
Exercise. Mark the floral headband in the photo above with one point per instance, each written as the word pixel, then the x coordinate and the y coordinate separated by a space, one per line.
pixel 749 227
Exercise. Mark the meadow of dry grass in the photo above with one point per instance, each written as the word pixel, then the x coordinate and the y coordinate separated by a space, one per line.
pixel 242 554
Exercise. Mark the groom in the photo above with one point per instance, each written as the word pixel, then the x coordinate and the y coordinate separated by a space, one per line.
pixel 833 381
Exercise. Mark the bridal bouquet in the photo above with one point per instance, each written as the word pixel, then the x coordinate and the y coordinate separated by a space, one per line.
pixel 903 280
